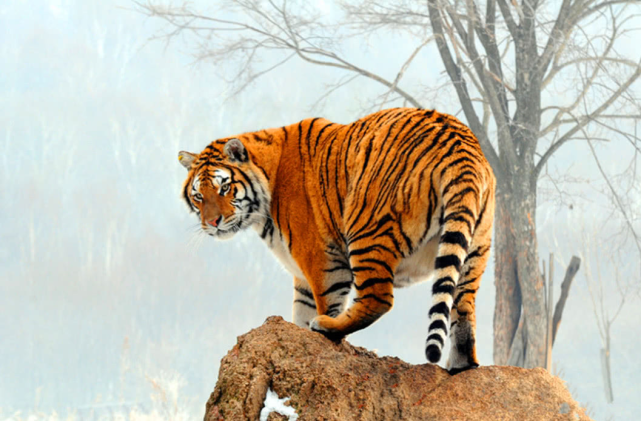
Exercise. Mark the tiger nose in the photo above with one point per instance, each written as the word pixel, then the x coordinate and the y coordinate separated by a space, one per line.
pixel 215 222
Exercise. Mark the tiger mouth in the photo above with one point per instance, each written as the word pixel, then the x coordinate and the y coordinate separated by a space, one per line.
pixel 231 229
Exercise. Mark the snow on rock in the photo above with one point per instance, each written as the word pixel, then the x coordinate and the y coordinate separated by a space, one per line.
pixel 274 404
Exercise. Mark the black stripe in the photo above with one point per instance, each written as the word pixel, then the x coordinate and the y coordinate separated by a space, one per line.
pixel 389 233
pixel 435 140
pixel 337 268
pixel 336 287
pixel 386 218
pixel 278 224
pixel 440 287
pixel 454 237
pixel 438 324
pixel 456 198
pixel 436 337
pixel 337 181
pixel 478 220
pixel 261 169
pixel 454 146
pixel 305 292
pixel 373 297
pixel 379 262
pixel 462 284
pixel 319 135
pixel 340 265
pixel 455 217
pixel 309 135
pixel 461 210
pixel 441 308
pixel 460 178
pixel 365 250
pixel 247 179
pixel 373 281
pixel 408 242
pixel 455 162
pixel 306 303
pixel 444 280
pixel 300 142
pixel 447 261
pixel 461 294
pixel 267 229
pixel 291 236
pixel 186 196
pixel 477 253
pixel 363 268
pixel 333 309
pixel 374 176
pixel 399 159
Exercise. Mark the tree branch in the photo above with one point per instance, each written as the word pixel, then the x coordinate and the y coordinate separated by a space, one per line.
pixel 288 37
pixel 559 32
pixel 507 16
pixel 401 72
pixel 617 200
pixel 586 86
pixel 601 59
pixel 464 97
pixel 494 84
pixel 584 120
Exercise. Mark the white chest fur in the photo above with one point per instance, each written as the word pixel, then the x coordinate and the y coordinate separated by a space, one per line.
pixel 279 247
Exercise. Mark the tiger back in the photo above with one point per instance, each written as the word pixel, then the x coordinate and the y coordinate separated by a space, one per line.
pixel 398 197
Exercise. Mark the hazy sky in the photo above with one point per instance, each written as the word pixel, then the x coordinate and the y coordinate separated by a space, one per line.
pixel 106 290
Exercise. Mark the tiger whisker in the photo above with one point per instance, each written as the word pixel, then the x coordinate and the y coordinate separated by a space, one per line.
pixel 195 241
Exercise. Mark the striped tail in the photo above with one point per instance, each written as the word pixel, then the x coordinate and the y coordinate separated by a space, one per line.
pixel 451 253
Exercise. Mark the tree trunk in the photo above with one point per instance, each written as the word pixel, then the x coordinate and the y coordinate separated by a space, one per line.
pixel 519 287
pixel 507 309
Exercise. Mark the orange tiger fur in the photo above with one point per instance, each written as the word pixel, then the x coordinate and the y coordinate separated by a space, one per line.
pixel 399 196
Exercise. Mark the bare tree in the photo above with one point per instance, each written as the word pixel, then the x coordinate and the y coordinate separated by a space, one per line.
pixel 503 59
pixel 605 306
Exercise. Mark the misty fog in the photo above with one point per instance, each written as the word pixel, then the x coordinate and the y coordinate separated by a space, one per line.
pixel 111 299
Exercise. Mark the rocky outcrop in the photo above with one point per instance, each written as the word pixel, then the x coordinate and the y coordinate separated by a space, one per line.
pixel 329 381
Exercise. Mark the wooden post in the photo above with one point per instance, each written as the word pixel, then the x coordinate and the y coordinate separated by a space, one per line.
pixel 571 271
pixel 605 370
pixel 550 315
pixel 545 285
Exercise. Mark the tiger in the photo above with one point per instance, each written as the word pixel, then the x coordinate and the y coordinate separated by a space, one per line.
pixel 401 196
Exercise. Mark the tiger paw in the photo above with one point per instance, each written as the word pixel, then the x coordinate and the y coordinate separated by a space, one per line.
pixel 326 326
pixel 456 370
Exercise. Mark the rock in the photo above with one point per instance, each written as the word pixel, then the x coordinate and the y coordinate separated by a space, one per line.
pixel 330 381
pixel 274 416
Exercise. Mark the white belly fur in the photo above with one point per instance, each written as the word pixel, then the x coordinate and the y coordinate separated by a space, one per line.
pixel 418 267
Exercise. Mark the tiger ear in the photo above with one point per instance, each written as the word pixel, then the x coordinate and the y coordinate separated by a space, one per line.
pixel 235 151
pixel 186 158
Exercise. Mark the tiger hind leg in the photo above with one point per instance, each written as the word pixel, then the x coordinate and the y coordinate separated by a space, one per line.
pixel 463 315
pixel 452 251
pixel 458 222
pixel 373 266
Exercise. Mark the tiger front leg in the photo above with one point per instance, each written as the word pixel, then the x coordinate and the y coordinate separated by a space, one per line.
pixel 373 271
pixel 304 306
pixel 332 299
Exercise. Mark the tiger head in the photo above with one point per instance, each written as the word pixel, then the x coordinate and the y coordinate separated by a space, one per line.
pixel 223 188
